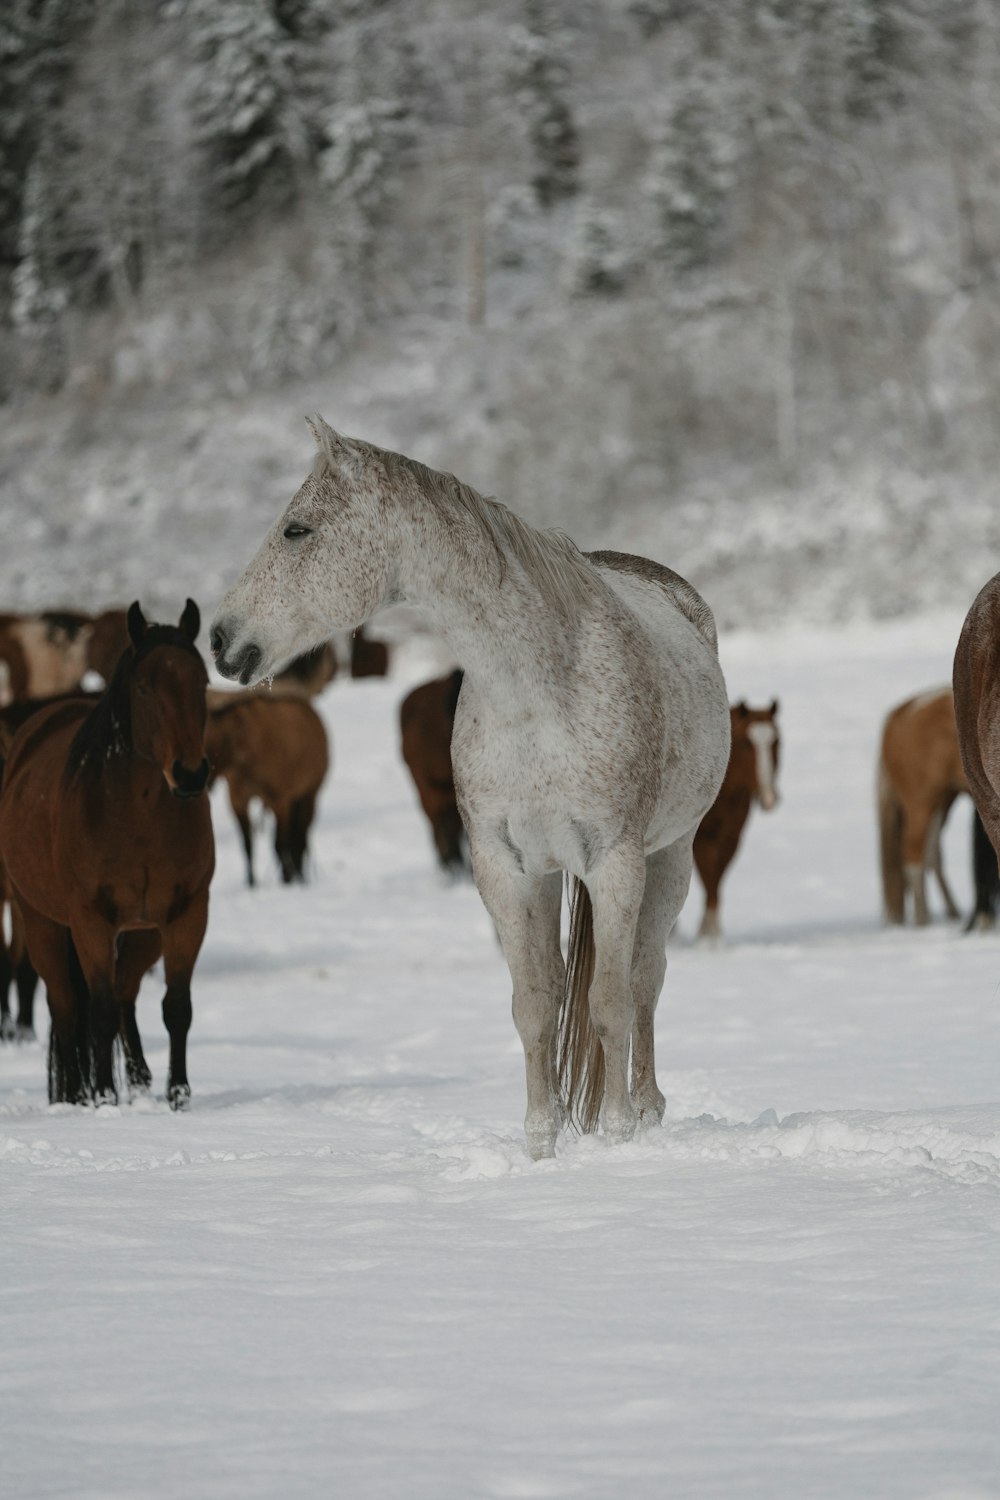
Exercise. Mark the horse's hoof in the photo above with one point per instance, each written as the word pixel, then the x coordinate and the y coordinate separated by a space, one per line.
pixel 26 1033
pixel 541 1143
pixel 179 1095
pixel 105 1099
pixel 8 1030
pixel 649 1108
pixel 620 1126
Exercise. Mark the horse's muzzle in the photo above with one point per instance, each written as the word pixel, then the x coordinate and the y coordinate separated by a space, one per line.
pixel 243 665
pixel 189 783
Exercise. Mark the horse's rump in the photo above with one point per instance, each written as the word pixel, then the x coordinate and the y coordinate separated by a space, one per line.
pixel 678 590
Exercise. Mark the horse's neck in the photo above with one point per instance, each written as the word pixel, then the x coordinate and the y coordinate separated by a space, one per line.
pixel 493 618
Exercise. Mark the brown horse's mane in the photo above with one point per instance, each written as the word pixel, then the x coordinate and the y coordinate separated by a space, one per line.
pixel 107 729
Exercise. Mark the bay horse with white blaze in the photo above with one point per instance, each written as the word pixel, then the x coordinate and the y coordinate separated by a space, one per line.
pixel 976 683
pixel 106 835
pixel 751 775
pixel 591 737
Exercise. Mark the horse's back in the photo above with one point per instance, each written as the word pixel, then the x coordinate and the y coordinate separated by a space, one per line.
pixel 920 744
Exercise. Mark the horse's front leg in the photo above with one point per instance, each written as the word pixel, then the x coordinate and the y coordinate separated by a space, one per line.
pixel 182 939
pixel 94 940
pixel 137 953
pixel 526 910
pixel 616 889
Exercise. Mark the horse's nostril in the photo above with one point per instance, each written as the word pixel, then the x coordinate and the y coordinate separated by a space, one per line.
pixel 217 640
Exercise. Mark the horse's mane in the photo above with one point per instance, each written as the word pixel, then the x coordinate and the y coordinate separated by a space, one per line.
pixel 550 559
pixel 107 729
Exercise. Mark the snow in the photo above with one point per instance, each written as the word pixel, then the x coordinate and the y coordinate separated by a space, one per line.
pixel 340 1274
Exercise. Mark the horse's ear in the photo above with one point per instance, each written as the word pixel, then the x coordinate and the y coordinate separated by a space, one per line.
pixel 136 624
pixel 339 450
pixel 190 620
pixel 741 708
pixel 774 707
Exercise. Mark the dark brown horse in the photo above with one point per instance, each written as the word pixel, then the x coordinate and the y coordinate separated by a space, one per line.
pixel 751 775
pixel 426 720
pixel 368 658
pixel 272 746
pixel 107 841
pixel 309 673
pixel 976 682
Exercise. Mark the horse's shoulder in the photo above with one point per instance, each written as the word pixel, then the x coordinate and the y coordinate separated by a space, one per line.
pixel 681 593
pixel 30 727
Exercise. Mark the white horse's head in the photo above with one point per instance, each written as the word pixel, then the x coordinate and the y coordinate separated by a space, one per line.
pixel 324 565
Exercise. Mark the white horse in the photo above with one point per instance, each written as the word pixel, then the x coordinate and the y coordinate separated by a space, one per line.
pixel 591 736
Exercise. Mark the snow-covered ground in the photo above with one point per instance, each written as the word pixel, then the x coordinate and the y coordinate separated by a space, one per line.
pixel 340 1274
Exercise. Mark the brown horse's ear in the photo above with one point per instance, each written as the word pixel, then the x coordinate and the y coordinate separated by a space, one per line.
pixel 136 624
pixel 774 707
pixel 190 621
pixel 741 708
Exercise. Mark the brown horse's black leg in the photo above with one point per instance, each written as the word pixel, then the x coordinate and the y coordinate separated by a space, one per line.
pixel 302 814
pixel 181 944
pixel 447 828
pixel 94 942
pixel 6 975
pixel 283 843
pixel 27 982
pixel 52 954
pixel 137 953
pixel 243 819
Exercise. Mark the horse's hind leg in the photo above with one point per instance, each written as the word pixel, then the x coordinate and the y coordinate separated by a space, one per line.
pixel 182 941
pixel 7 1029
pixel 283 843
pixel 668 876
pixel 616 892
pixel 935 860
pixel 26 979
pixel 50 950
pixel 303 812
pixel 526 912
pixel 916 834
pixel 241 812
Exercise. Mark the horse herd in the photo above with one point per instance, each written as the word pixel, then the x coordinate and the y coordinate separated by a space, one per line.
pixel 585 736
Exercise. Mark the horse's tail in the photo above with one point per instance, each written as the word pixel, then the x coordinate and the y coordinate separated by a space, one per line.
pixel 890 832
pixel 581 1057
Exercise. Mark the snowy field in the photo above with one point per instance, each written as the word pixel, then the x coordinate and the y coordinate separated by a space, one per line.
pixel 340 1275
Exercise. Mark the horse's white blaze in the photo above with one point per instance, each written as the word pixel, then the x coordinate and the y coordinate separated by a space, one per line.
pixel 591 734
pixel 762 737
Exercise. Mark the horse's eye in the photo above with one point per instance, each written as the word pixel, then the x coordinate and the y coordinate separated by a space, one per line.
pixel 296 529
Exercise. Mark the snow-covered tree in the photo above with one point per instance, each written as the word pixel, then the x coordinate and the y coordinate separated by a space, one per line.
pixel 540 74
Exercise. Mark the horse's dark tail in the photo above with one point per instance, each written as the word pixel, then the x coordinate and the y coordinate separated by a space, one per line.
pixel 581 1056
pixel 985 875
pixel 890 830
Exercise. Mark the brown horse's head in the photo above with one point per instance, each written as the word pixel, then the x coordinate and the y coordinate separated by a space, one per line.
pixel 757 730
pixel 166 685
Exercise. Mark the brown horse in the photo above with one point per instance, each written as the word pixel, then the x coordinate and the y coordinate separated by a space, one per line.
pixel 976 680
pixel 368 658
pixel 919 776
pixel 309 673
pixel 107 842
pixel 751 774
pixel 271 746
pixel 426 720
pixel 44 653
